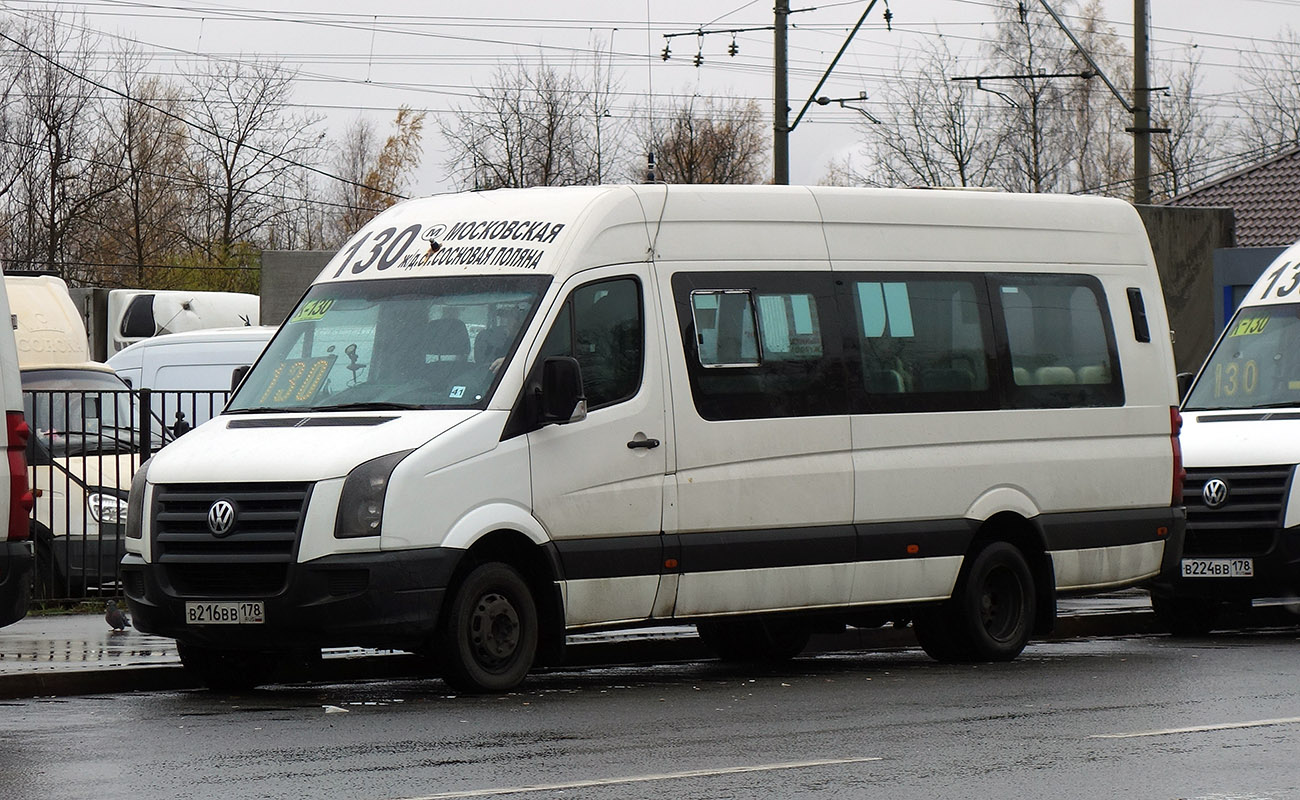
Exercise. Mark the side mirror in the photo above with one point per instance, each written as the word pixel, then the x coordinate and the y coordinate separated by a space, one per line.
pixel 562 399
pixel 1184 384
pixel 237 376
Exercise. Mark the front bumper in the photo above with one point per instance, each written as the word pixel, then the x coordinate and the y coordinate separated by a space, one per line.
pixel 1277 572
pixel 385 600
pixel 15 580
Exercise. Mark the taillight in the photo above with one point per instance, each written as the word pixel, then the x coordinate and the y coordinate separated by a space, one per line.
pixel 1180 474
pixel 20 494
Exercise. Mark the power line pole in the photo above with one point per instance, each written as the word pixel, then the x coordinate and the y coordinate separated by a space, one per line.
pixel 1141 107
pixel 781 104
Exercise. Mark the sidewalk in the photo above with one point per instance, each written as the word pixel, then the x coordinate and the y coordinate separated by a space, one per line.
pixel 74 654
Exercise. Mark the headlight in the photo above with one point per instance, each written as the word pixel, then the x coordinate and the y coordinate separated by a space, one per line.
pixel 361 505
pixel 106 509
pixel 135 506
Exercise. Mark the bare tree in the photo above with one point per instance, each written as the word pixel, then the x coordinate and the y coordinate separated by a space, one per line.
pixel 1099 150
pixel 374 175
pixel 141 221
pixel 927 129
pixel 720 142
pixel 71 170
pixel 1029 45
pixel 243 147
pixel 532 128
pixel 1270 97
pixel 1183 156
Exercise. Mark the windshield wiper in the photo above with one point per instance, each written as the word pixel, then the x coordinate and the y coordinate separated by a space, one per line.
pixel 270 410
pixel 373 405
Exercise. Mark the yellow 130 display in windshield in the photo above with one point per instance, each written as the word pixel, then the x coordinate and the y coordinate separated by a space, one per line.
pixel 297 380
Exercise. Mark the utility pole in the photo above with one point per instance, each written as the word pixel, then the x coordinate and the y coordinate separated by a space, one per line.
pixel 1141 107
pixel 781 109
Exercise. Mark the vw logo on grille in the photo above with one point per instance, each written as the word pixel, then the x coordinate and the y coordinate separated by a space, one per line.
pixel 221 518
pixel 1215 492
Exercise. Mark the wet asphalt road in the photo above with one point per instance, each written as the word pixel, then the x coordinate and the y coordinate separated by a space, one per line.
pixel 1081 719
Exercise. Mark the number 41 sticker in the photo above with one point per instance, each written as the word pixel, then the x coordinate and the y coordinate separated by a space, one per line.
pixel 457 392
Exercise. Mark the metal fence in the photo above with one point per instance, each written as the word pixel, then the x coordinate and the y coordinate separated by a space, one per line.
pixel 84 449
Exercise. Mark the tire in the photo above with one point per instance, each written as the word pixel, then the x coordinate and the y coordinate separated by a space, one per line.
pixel 754 640
pixel 226 670
pixel 1185 616
pixel 991 614
pixel 489 638
pixel 51 584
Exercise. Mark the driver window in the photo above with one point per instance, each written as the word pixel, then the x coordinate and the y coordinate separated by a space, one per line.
pixel 601 326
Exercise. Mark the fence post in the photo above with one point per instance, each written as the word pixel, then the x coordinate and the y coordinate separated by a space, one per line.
pixel 146 436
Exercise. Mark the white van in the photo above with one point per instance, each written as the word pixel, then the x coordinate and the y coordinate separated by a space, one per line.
pixel 15 495
pixel 190 373
pixel 500 417
pixel 1241 442
pixel 137 314
pixel 49 328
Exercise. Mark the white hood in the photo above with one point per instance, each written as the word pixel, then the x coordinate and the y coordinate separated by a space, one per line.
pixel 1239 443
pixel 294 447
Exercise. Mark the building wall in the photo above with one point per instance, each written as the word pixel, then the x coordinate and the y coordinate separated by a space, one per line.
pixel 1183 241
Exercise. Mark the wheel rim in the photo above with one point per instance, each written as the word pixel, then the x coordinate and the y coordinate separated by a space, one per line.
pixel 494 630
pixel 1002 604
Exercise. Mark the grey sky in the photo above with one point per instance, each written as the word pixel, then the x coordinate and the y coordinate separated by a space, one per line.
pixel 370 58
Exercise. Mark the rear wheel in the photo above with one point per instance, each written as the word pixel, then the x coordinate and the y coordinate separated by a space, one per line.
pixel 50 580
pixel 754 639
pixel 491 632
pixel 990 615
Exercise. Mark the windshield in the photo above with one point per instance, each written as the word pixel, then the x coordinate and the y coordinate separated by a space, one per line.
pixel 1255 365
pixel 77 414
pixel 399 343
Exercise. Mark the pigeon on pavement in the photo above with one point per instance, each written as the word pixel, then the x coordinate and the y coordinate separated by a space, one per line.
pixel 115 617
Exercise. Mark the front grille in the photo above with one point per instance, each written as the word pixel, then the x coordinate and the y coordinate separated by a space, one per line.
pixel 252 560
pixel 1247 523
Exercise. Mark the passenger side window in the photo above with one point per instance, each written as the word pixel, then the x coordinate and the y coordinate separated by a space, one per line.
pixel 1060 341
pixel 758 344
pixel 601 325
pixel 923 342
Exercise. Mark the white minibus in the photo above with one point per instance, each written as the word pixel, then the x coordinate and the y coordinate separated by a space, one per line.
pixel 499 418
pixel 1241 444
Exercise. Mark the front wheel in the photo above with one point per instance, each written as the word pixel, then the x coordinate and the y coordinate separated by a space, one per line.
pixel 491 632
pixel 990 615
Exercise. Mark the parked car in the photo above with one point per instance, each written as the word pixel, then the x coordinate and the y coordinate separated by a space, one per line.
pixel 83 451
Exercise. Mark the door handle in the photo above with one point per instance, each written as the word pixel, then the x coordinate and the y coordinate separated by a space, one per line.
pixel 645 443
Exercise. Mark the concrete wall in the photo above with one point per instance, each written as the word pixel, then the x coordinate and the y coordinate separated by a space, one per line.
pixel 1183 241
pixel 286 274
